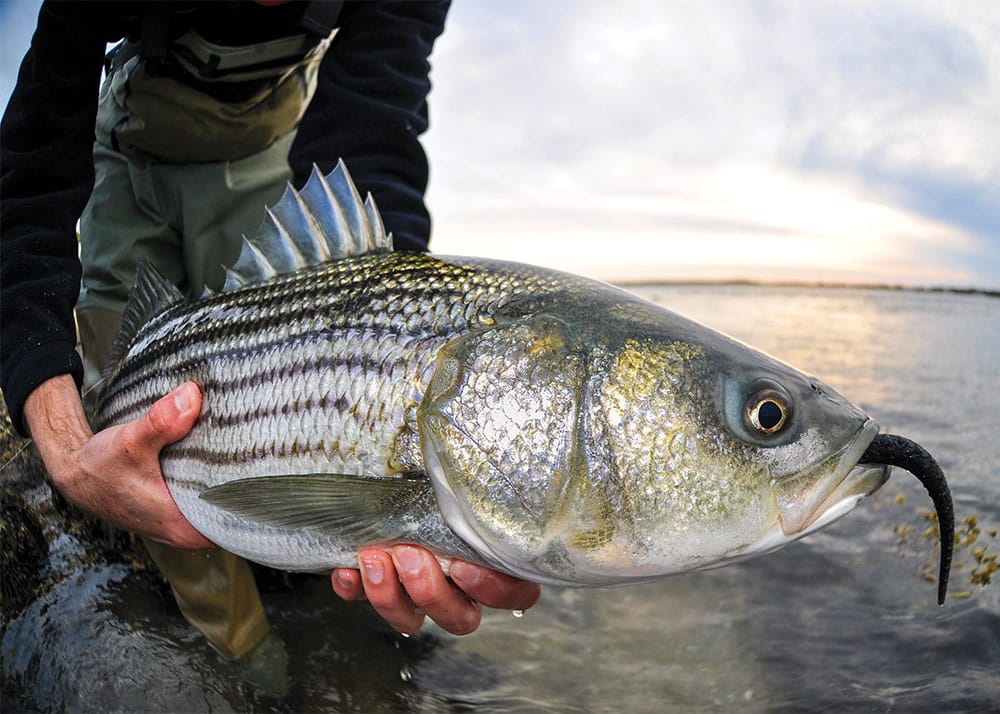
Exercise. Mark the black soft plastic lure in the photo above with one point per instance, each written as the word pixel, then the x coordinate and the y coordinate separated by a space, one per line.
pixel 900 451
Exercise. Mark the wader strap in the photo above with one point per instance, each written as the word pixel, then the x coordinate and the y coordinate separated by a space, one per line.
pixel 209 62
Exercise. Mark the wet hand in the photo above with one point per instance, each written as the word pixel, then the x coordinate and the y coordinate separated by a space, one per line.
pixel 115 474
pixel 405 584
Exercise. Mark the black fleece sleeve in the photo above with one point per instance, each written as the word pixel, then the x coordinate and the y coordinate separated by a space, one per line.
pixel 46 175
pixel 370 108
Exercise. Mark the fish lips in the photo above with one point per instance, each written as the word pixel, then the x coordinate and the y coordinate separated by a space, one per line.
pixel 823 492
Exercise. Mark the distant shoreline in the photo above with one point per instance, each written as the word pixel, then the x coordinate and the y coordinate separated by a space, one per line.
pixel 987 292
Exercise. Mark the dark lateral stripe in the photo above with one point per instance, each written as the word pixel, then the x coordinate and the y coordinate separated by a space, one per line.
pixel 152 362
pixel 352 363
pixel 248 453
pixel 341 295
pixel 192 484
pixel 340 404
pixel 327 404
pixel 297 325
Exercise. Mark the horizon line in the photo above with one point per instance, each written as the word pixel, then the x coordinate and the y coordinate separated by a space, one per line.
pixel 837 285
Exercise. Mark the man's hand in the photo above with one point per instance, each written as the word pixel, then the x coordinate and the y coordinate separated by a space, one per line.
pixel 406 583
pixel 115 474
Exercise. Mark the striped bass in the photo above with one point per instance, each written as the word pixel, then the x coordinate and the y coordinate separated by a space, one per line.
pixel 548 426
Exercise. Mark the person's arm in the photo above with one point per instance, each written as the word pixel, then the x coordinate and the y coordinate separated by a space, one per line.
pixel 115 474
pixel 370 108
pixel 46 145
pixel 46 153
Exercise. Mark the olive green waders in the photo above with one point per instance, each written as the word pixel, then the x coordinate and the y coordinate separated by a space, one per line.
pixel 187 219
pixel 180 178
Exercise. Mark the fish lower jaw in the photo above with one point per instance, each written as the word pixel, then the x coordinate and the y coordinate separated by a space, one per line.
pixel 828 489
pixel 861 481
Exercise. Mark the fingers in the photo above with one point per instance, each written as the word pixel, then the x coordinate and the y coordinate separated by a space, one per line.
pixel 170 418
pixel 494 589
pixel 115 474
pixel 384 590
pixel 406 583
pixel 120 477
pixel 431 592
pixel 347 584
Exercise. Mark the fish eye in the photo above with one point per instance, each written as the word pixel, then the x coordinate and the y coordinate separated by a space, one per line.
pixel 767 411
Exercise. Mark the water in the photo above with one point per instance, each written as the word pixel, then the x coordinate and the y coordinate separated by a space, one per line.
pixel 841 621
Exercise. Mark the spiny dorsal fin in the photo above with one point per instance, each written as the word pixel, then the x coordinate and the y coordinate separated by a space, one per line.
pixel 325 221
pixel 151 295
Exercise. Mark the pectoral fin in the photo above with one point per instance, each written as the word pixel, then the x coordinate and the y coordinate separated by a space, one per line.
pixel 359 508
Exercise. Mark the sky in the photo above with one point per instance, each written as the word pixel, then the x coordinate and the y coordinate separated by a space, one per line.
pixel 661 140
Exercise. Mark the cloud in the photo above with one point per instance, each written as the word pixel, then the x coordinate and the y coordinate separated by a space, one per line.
pixel 799 131
pixel 822 140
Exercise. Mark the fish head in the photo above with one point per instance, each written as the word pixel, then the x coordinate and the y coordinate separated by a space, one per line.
pixel 615 442
pixel 802 439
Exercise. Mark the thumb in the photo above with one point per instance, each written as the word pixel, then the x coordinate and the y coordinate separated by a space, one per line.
pixel 170 418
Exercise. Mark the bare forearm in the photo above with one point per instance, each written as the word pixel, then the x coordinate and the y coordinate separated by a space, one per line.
pixel 55 418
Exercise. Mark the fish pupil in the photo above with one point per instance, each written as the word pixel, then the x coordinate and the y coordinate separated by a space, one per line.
pixel 769 414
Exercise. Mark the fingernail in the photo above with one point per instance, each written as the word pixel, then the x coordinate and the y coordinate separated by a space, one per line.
pixel 183 399
pixel 466 573
pixel 342 579
pixel 373 570
pixel 408 559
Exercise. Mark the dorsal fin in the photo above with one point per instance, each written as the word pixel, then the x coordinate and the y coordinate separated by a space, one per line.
pixel 325 221
pixel 151 295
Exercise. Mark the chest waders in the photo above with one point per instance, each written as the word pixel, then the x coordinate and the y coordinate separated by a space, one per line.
pixel 181 175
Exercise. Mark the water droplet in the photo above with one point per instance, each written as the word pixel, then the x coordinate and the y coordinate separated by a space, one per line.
pixel 517 613
pixel 404 635
pixel 405 674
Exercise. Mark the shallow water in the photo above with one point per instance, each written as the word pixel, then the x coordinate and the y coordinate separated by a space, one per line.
pixel 841 621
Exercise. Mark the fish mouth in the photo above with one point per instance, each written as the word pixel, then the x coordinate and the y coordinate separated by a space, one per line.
pixel 831 488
